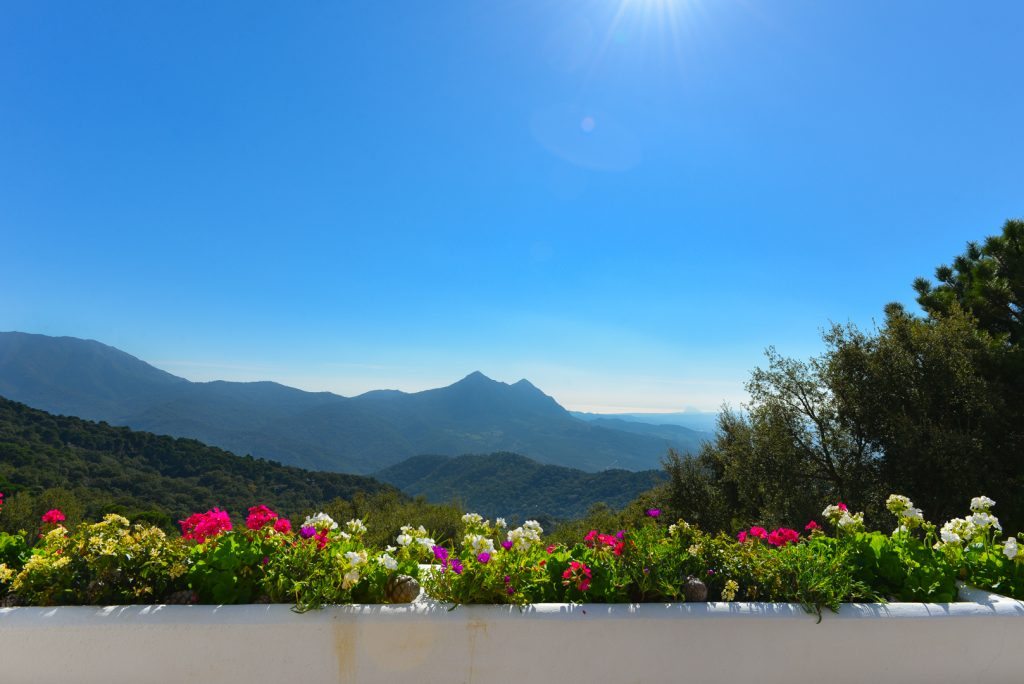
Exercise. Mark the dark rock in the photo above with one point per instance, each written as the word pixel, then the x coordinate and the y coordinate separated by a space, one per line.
pixel 695 590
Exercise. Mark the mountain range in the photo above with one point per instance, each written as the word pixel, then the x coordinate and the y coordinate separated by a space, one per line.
pixel 321 430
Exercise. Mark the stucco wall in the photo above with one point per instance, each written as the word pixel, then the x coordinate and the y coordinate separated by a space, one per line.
pixel 980 641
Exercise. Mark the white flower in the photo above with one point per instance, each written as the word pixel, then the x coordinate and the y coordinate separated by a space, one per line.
pixel 472 519
pixel 391 549
pixel 387 561
pixel 912 513
pixel 426 542
pixel 403 539
pixel 356 558
pixel 524 537
pixel 500 523
pixel 897 503
pixel 958 530
pixel 320 520
pixel 349 578
pixel 356 526
pixel 981 504
pixel 344 535
pixel 851 523
pixel 1010 548
pixel 985 520
pixel 478 543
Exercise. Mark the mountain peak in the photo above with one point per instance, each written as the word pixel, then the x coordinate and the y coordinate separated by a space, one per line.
pixel 477 378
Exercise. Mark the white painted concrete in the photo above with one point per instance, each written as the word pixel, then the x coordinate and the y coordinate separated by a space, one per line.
pixel 978 641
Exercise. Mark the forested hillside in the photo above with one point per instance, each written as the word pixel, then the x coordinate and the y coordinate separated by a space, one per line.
pixel 511 485
pixel 88 469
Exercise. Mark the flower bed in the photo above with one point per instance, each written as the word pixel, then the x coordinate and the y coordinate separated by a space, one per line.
pixel 113 562
pixel 658 602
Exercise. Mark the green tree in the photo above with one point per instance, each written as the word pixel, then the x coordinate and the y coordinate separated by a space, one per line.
pixel 987 281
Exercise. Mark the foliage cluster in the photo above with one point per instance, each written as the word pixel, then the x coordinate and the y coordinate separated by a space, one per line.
pixel 651 562
pixel 929 405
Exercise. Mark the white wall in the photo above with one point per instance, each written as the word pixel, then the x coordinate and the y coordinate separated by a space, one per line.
pixel 981 641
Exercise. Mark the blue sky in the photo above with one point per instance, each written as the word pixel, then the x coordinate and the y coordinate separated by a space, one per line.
pixel 624 202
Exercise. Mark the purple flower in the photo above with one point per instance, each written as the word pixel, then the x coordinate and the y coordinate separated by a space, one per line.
pixel 510 591
pixel 440 553
pixel 507 544
pixel 266 559
pixel 507 579
pixel 654 512
pixel 457 566
pixel 484 558
pixel 307 531
pixel 620 534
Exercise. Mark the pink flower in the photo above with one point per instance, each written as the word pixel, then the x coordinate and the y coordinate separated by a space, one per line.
pixel 841 506
pixel 590 536
pixel 202 526
pixel 283 526
pixel 551 549
pixel 742 536
pixel 259 516
pixel 783 536
pixel 811 526
pixel 53 516
pixel 577 573
pixel 759 532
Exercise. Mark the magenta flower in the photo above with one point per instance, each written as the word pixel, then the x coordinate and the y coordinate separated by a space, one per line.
pixel 484 558
pixel 457 566
pixel 742 536
pixel 259 517
pixel 811 526
pixel 202 526
pixel 53 516
pixel 620 535
pixel 654 512
pixel 440 553
pixel 783 536
pixel 507 544
pixel 307 531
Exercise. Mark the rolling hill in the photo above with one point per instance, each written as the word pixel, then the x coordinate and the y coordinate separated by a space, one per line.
pixel 505 484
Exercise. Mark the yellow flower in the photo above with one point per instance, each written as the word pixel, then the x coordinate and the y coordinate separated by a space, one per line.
pixel 729 592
